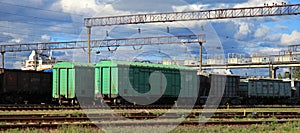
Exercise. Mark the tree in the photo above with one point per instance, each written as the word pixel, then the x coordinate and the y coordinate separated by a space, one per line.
pixel 296 72
pixel 287 75
pixel 279 76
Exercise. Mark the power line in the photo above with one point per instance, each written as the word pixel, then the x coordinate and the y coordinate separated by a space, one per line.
pixel 55 20
pixel 37 34
pixel 29 36
pixel 64 31
pixel 43 24
pixel 40 9
pixel 32 23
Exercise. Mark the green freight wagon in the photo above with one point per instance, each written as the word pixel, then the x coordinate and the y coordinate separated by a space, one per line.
pixel 144 83
pixel 73 81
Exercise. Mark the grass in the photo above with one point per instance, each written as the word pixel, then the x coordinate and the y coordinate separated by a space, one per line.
pixel 264 128
pixel 63 129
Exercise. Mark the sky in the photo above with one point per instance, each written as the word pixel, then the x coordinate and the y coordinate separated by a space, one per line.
pixel 30 21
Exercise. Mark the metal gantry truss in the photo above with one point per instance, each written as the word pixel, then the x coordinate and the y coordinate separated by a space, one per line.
pixel 195 38
pixel 258 11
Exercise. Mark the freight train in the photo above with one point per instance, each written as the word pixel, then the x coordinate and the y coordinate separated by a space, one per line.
pixel 130 82
pixel 118 81
pixel 122 82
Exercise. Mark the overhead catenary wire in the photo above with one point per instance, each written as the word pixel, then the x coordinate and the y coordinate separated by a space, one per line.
pixel 58 31
pixel 36 20
pixel 41 18
pixel 37 35
pixel 44 21
pixel 40 8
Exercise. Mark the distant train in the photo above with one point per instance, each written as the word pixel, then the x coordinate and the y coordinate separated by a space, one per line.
pixel 128 82
pixel 252 91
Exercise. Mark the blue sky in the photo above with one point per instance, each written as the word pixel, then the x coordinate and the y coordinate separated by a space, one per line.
pixel 62 20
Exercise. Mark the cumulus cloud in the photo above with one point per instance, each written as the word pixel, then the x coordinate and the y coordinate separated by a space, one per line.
pixel 76 7
pixel 259 3
pixel 143 6
pixel 189 7
pixel 88 8
pixel 46 38
pixel 245 28
pixel 264 51
pixel 14 38
pixel 273 38
pixel 280 27
pixel 262 31
pixel 291 39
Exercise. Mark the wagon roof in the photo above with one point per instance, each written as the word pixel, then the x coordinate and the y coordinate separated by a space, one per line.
pixel 114 63
pixel 72 65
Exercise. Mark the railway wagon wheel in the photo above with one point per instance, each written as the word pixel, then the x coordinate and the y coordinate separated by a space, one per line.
pixel 225 101
pixel 236 101
pixel 252 101
pixel 295 102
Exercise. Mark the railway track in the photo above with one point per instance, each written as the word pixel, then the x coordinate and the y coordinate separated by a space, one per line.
pixel 18 107
pixel 219 118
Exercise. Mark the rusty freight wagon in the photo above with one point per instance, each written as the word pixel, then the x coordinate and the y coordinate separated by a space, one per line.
pixel 18 86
